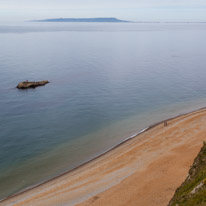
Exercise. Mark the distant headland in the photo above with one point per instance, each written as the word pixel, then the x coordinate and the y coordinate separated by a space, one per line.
pixel 82 20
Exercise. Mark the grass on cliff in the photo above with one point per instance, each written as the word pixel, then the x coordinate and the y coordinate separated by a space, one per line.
pixel 192 192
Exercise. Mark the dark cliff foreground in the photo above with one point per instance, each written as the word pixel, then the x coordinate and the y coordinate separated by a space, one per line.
pixel 27 84
pixel 192 192
pixel 112 20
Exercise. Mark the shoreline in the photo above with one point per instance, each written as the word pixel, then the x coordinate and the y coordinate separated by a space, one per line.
pixel 98 157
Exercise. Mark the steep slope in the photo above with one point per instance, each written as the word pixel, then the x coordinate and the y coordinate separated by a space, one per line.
pixel 192 192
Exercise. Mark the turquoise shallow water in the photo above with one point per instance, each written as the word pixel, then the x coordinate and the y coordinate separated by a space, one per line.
pixel 108 81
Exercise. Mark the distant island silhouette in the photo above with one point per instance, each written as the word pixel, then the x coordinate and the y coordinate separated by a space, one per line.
pixel 82 20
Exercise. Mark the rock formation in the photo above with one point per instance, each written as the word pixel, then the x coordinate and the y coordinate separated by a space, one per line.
pixel 192 192
pixel 27 84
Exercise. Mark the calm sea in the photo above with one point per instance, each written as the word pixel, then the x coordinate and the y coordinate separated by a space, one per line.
pixel 108 81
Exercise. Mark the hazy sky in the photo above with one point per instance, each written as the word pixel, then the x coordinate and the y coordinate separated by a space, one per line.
pixel 136 10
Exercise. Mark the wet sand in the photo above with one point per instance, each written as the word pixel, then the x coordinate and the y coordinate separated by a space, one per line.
pixel 143 171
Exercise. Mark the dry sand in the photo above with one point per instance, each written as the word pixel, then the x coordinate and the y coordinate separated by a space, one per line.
pixel 144 171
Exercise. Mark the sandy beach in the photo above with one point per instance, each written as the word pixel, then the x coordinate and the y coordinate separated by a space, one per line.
pixel 143 171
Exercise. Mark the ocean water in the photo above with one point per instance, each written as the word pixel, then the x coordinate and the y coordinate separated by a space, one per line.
pixel 108 82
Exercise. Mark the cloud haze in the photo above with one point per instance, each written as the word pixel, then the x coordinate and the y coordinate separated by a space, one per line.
pixel 136 10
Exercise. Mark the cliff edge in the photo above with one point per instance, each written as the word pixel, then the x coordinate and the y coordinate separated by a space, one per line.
pixel 192 192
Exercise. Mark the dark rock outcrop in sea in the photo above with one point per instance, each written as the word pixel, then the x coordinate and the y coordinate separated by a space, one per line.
pixel 27 84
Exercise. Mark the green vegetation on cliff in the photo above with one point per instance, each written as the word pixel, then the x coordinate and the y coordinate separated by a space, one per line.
pixel 192 192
